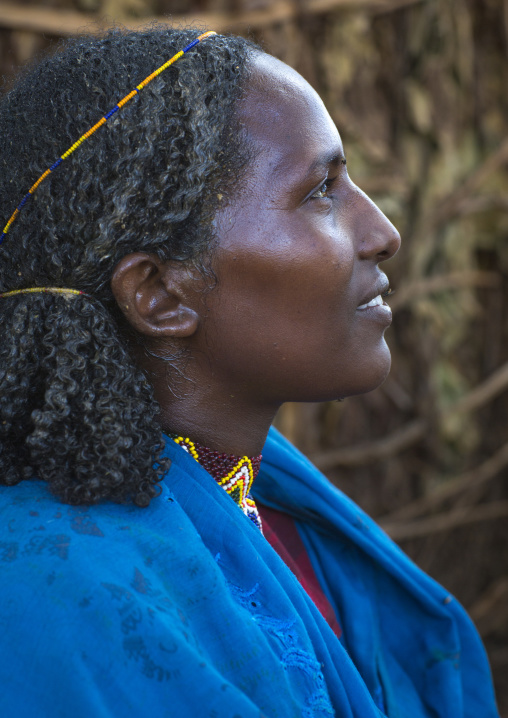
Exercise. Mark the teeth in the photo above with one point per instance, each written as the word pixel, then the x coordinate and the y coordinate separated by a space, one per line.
pixel 376 302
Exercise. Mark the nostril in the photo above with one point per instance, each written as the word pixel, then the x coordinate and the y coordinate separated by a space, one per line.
pixel 392 244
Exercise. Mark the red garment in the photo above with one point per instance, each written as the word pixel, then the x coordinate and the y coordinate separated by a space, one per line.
pixel 281 533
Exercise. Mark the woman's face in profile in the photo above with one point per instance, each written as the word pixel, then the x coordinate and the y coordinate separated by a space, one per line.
pixel 297 261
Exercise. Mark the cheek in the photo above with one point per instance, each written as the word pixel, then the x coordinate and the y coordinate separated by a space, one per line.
pixel 281 252
pixel 283 306
pixel 283 309
pixel 285 336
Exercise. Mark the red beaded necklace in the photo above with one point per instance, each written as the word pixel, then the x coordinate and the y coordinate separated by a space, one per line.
pixel 234 473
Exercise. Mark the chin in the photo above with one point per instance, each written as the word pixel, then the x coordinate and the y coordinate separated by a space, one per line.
pixel 368 375
pixel 369 386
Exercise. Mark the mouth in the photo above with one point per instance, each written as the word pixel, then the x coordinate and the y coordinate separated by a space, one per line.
pixel 375 302
pixel 376 297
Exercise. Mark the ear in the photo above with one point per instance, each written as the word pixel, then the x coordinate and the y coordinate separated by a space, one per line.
pixel 155 296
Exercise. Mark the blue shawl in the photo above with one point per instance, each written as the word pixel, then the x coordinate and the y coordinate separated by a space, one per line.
pixel 184 610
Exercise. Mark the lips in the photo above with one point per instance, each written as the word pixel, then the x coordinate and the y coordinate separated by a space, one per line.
pixel 375 296
pixel 376 302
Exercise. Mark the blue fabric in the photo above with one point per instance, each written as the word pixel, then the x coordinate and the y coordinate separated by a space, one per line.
pixel 183 609
pixel 414 645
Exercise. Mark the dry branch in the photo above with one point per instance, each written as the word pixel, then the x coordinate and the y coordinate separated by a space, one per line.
pixel 372 450
pixel 453 487
pixel 455 203
pixel 482 394
pixel 67 22
pixel 454 280
pixel 490 610
pixel 447 521
pixel 452 204
pixel 414 431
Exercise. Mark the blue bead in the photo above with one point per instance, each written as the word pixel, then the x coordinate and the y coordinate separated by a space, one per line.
pixel 106 117
pixel 111 112
pixel 192 44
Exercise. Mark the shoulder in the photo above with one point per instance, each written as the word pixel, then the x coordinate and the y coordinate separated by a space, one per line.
pixel 95 601
pixel 41 538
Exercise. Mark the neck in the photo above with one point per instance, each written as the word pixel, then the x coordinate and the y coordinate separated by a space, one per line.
pixel 195 403
pixel 223 426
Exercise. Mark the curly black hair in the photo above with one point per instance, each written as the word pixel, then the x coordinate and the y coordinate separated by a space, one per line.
pixel 75 409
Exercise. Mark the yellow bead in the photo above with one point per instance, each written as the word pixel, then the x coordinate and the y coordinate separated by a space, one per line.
pixel 90 132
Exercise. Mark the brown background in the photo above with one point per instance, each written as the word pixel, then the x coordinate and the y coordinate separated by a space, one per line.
pixel 418 89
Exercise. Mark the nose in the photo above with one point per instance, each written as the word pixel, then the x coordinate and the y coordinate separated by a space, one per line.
pixel 378 239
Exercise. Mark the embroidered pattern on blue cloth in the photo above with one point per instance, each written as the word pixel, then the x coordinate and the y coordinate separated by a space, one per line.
pixel 293 656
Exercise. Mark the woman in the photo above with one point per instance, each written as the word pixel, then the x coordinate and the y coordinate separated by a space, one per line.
pixel 196 263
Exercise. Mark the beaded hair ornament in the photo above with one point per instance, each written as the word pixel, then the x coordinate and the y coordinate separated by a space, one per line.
pixel 74 147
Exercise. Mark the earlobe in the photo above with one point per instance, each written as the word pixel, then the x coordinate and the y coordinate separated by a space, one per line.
pixel 156 297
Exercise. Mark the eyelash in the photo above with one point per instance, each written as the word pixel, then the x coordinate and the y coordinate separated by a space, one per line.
pixel 325 187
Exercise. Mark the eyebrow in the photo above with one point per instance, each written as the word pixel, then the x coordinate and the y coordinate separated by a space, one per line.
pixel 325 160
pixel 321 163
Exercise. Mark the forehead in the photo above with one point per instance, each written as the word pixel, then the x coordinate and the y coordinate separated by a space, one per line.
pixel 285 117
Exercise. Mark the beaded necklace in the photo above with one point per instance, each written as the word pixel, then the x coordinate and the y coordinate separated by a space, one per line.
pixel 234 473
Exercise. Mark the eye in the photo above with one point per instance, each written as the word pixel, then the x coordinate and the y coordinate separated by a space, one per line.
pixel 323 192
